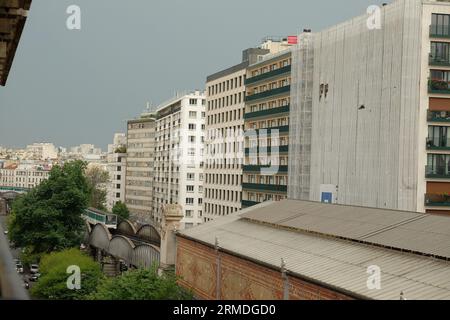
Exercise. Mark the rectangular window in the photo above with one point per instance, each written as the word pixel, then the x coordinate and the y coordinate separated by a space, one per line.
pixel 190 201
pixel 190 176
pixel 193 114
pixel 193 102
pixel 190 188
pixel 440 24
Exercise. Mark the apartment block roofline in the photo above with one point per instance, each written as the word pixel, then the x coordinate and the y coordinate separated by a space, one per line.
pixel 274 56
pixel 228 71
pixel 178 97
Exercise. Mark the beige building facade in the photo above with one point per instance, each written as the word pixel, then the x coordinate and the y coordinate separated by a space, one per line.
pixel 140 167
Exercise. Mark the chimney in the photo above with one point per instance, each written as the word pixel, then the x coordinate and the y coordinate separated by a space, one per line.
pixel 172 215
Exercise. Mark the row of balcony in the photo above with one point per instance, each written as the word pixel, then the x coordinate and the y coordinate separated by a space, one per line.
pixel 437 172
pixel 438 116
pixel 439 32
pixel 282 129
pixel 266 150
pixel 248 204
pixel 268 75
pixel 438 87
pixel 264 187
pixel 259 168
pixel 267 112
pixel 268 93
pixel 438 144
pixel 439 61
pixel 437 200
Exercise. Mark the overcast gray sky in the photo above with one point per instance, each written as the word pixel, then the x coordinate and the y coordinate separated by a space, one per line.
pixel 73 87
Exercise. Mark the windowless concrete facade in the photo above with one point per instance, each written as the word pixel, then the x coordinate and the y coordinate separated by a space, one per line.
pixel 373 141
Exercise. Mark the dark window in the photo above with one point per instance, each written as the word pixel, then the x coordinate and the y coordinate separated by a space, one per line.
pixel 440 24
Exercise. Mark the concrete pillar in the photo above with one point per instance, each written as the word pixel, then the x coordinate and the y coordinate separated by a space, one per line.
pixel 172 215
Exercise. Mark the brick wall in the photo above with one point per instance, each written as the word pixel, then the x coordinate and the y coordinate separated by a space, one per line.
pixel 240 279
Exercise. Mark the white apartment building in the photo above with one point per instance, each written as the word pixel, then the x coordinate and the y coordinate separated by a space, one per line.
pixel 24 175
pixel 117 170
pixel 41 151
pixel 225 92
pixel 140 167
pixel 179 147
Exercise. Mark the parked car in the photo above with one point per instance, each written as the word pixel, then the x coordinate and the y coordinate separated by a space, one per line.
pixel 35 277
pixel 34 268
pixel 19 267
pixel 5 232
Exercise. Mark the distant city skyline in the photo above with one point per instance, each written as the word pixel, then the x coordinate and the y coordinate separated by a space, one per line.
pixel 70 87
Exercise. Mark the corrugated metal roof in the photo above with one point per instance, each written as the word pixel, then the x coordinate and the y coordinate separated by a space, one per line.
pixel 337 262
pixel 408 231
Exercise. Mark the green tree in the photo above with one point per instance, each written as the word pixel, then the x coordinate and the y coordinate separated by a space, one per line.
pixel 48 218
pixel 141 285
pixel 97 179
pixel 121 210
pixel 121 149
pixel 54 277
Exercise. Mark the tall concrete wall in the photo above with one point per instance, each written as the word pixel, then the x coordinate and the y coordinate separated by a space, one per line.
pixel 365 131
pixel 300 118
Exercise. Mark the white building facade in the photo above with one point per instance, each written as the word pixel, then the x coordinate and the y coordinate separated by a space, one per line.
pixel 140 167
pixel 117 170
pixel 24 175
pixel 179 147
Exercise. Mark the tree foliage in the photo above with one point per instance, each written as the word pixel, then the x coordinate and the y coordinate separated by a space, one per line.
pixel 121 210
pixel 141 285
pixel 54 277
pixel 97 179
pixel 121 149
pixel 48 218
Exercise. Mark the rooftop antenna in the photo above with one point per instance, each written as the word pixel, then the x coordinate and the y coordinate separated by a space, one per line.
pixel 148 107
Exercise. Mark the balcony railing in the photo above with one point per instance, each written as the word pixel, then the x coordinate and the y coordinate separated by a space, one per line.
pixel 257 168
pixel 439 87
pixel 266 150
pixel 283 129
pixel 438 144
pixel 268 75
pixel 268 93
pixel 436 33
pixel 248 203
pixel 437 172
pixel 267 112
pixel 264 187
pixel 438 116
pixel 11 287
pixel 439 62
pixel 437 200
